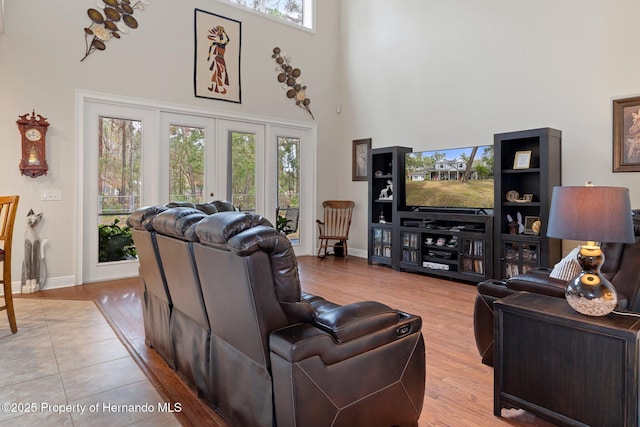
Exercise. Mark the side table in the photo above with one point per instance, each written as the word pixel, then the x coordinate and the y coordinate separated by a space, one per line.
pixel 567 368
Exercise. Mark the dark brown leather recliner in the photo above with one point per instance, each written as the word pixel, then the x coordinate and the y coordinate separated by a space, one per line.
pixel 157 301
pixel 280 357
pixel 156 307
pixel 189 329
pixel 621 267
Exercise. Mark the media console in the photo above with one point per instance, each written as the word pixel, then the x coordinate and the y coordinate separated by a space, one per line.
pixel 454 245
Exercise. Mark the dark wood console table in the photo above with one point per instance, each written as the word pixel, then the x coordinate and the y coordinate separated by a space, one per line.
pixel 565 367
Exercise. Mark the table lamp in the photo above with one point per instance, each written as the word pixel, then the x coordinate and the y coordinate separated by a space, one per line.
pixel 595 215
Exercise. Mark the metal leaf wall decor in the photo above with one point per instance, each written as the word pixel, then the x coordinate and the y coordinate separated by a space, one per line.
pixel 110 20
pixel 291 80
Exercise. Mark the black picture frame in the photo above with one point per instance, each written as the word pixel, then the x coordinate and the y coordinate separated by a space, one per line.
pixel 360 155
pixel 216 69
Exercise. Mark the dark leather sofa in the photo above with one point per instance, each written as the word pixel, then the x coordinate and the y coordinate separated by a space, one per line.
pixel 621 267
pixel 223 305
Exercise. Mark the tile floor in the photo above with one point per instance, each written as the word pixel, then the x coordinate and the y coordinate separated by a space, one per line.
pixel 66 367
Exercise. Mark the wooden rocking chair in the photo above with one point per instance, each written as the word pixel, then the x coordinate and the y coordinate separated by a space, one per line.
pixel 335 225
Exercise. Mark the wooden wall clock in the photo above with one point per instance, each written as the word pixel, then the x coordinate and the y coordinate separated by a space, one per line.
pixel 33 131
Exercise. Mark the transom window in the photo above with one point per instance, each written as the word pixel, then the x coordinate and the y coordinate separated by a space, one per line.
pixel 297 12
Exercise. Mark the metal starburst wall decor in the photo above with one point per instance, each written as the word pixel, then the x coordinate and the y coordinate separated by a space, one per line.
pixel 291 80
pixel 109 20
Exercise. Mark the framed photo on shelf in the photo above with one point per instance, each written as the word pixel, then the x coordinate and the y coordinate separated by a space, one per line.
pixel 360 154
pixel 527 197
pixel 532 225
pixel 522 159
pixel 626 135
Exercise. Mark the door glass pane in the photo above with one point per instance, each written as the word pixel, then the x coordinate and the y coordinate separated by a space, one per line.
pixel 186 164
pixel 119 185
pixel 289 186
pixel 243 171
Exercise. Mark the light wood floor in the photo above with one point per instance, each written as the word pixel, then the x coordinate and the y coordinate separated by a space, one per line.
pixel 459 389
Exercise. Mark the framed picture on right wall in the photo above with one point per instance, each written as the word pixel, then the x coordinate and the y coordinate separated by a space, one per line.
pixel 626 135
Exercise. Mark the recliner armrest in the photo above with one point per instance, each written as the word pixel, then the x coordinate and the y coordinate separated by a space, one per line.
pixel 539 284
pixel 494 288
pixel 350 321
pixel 543 271
pixel 303 340
pixel 319 304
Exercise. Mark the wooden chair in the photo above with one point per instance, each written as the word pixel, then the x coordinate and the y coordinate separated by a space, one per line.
pixel 335 225
pixel 8 208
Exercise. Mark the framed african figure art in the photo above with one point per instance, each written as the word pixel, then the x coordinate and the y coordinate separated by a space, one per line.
pixel 626 135
pixel 216 72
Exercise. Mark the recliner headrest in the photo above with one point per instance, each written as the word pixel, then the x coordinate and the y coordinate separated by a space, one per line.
pixel 208 208
pixel 219 228
pixel 178 222
pixel 141 218
pixel 179 205
pixel 223 205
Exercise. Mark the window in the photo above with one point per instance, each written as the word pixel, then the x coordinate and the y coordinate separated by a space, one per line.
pixel 243 171
pixel 298 12
pixel 186 164
pixel 289 186
pixel 119 182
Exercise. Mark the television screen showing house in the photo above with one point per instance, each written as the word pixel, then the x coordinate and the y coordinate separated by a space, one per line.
pixel 450 178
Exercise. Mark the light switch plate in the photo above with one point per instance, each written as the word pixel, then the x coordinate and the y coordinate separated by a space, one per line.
pixel 51 195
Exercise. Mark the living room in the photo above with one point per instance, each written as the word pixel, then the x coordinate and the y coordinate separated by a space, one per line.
pixel 421 74
pixel 446 75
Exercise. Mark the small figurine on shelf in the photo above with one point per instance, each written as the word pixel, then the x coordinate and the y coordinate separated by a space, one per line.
pixel 520 224
pixel 387 192
pixel 381 219
pixel 515 227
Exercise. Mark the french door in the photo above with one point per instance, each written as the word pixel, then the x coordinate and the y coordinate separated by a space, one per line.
pixel 116 155
pixel 270 170
pixel 133 156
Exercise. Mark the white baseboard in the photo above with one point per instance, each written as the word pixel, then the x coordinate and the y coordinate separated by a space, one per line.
pixel 360 253
pixel 52 283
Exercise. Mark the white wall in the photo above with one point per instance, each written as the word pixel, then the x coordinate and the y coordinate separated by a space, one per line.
pixel 40 68
pixel 430 74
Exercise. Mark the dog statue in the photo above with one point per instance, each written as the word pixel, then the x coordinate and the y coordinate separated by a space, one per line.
pixel 34 269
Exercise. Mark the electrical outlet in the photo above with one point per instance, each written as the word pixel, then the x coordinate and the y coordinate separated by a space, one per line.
pixel 51 195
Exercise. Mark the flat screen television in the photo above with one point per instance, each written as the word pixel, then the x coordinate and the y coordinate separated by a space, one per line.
pixel 452 178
